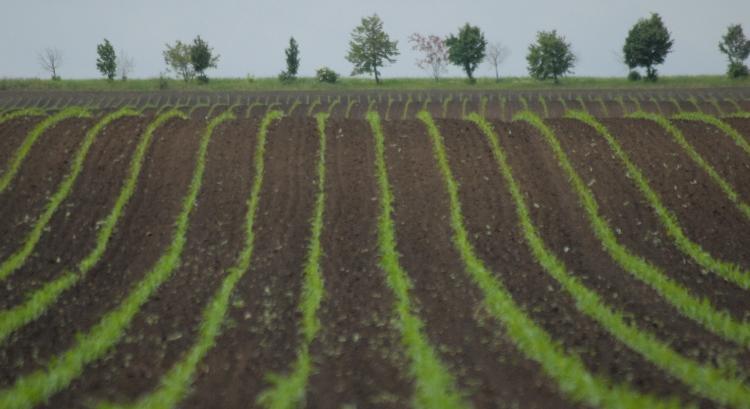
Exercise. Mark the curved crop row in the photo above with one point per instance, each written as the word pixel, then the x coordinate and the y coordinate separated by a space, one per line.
pixel 697 309
pixel 288 391
pixel 718 123
pixel 39 385
pixel 294 106
pixel 694 155
pixel 447 100
pixel 333 105
pixel 313 106
pixel 603 106
pixel 250 108
pixel 349 106
pixel 17 259
pixel 406 108
pixel 20 154
pixel 565 369
pixel 39 300
pixel 543 102
pixel 7 116
pixel 726 270
pixel 175 384
pixel 434 385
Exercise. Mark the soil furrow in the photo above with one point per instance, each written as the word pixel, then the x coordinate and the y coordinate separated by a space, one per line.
pixel 12 134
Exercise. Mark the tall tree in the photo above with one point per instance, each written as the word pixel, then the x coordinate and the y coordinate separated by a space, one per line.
pixel 496 55
pixel 292 61
pixel 202 58
pixel 647 45
pixel 50 60
pixel 106 62
pixel 371 48
pixel 434 53
pixel 177 57
pixel 737 48
pixel 467 49
pixel 550 57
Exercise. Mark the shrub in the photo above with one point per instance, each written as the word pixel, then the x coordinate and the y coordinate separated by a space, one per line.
pixel 163 81
pixel 737 48
pixel 327 75
pixel 737 70
pixel 550 57
pixel 634 75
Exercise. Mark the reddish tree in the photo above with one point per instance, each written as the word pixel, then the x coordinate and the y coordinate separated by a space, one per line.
pixel 435 53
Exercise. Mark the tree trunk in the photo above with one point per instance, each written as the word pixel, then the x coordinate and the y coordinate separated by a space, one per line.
pixel 497 74
pixel 377 77
pixel 469 73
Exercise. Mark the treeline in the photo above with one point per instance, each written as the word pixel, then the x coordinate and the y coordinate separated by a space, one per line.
pixel 550 56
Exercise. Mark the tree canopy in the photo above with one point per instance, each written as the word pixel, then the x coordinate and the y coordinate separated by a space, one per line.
pixel 467 49
pixel 371 48
pixel 737 48
pixel 202 58
pixel 648 44
pixel 550 56
pixel 106 62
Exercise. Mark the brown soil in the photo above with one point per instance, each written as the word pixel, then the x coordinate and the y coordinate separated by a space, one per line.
pixel 261 333
pixel 359 355
pixel 489 368
pixel 704 212
pixel 143 235
pixel 12 134
pixel 28 193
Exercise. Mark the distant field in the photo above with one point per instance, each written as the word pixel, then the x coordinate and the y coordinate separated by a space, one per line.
pixel 307 84
pixel 389 248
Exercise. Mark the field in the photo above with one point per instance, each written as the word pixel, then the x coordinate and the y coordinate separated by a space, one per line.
pixel 375 249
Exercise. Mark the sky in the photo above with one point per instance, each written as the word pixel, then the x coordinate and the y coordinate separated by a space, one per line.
pixel 250 35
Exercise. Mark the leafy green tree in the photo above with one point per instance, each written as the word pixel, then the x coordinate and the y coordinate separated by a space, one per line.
pixel 550 57
pixel 737 48
pixel 106 62
pixel 371 48
pixel 178 59
pixel 647 45
pixel 202 58
pixel 292 61
pixel 467 49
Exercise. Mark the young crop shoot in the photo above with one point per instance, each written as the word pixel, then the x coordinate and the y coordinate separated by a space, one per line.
pixel 106 61
pixel 434 53
pixel 50 60
pixel 550 57
pixel 467 49
pixel 737 49
pixel 648 44
pixel 292 62
pixel 566 369
pixel 370 48
pixel 497 53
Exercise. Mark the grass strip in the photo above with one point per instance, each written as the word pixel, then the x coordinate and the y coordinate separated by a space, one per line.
pixel 17 259
pixel 288 391
pixel 694 155
pixel 20 154
pixel 697 309
pixel 39 300
pixel 565 369
pixel 718 123
pixel 726 270
pixel 174 385
pixel 7 116
pixel 36 387
pixel 434 384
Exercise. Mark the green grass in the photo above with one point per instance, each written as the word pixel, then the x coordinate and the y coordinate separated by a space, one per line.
pixel 288 391
pixel 20 154
pixel 39 300
pixel 726 270
pixel 698 309
pixel 434 385
pixel 16 260
pixel 718 123
pixel 175 384
pixel 348 84
pixel 694 155
pixel 36 387
pixel 565 369
pixel 7 116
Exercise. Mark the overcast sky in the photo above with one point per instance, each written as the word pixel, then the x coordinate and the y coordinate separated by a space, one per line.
pixel 250 35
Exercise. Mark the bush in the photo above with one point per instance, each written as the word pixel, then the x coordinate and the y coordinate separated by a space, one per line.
pixel 163 82
pixel 634 75
pixel 326 74
pixel 737 70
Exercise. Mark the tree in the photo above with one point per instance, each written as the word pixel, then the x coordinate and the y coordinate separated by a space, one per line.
pixel 496 55
pixel 125 64
pixel 292 61
pixel 435 53
pixel 202 58
pixel 467 50
pixel 550 57
pixel 647 44
pixel 106 62
pixel 50 60
pixel 737 48
pixel 371 48
pixel 177 58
